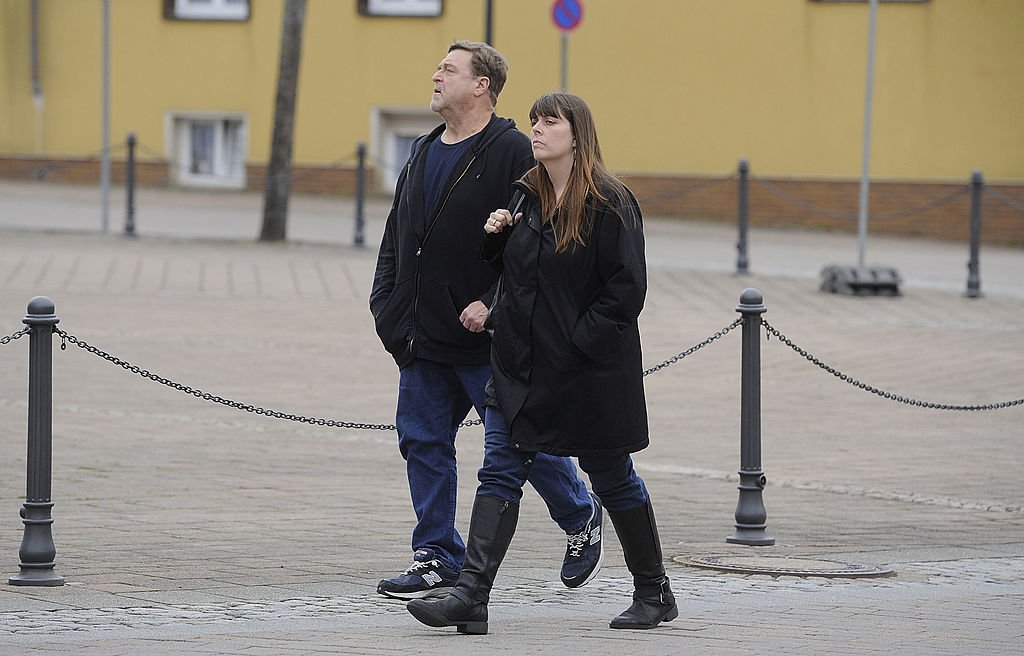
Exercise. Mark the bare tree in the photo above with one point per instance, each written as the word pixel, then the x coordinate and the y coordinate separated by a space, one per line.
pixel 277 185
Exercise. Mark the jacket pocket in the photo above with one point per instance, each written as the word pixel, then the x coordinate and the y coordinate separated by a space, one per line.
pixel 394 321
pixel 438 318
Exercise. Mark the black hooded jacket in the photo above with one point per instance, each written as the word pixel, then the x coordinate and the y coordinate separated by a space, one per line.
pixel 429 268
pixel 566 357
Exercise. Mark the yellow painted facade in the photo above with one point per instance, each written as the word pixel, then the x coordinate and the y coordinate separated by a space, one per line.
pixel 679 87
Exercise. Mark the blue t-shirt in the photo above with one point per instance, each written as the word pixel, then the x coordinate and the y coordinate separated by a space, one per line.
pixel 441 160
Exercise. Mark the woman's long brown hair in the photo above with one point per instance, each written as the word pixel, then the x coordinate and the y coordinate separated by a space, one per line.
pixel 589 182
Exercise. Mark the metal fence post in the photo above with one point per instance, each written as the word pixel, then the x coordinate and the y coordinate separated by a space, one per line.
pixel 743 219
pixel 360 193
pixel 750 511
pixel 129 178
pixel 973 275
pixel 37 550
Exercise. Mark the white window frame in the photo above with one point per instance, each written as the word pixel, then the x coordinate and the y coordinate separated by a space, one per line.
pixel 229 10
pixel 226 174
pixel 406 8
pixel 387 124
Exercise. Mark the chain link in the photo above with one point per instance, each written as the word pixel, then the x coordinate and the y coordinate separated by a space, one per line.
pixel 836 214
pixel 13 336
pixel 693 349
pixel 771 330
pixel 1017 205
pixel 65 337
pixel 874 390
pixel 682 191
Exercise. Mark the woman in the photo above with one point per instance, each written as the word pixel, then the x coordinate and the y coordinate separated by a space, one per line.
pixel 566 362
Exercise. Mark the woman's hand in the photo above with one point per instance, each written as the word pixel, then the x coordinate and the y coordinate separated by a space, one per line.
pixel 498 219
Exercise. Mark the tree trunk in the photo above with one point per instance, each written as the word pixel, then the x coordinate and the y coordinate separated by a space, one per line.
pixel 279 170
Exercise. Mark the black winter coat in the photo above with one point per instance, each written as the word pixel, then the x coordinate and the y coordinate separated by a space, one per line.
pixel 565 354
pixel 429 268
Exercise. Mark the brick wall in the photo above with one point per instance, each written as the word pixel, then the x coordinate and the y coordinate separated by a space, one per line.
pixel 938 210
pixel 155 173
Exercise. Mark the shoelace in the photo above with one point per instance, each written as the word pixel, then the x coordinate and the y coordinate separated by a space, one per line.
pixel 578 541
pixel 418 565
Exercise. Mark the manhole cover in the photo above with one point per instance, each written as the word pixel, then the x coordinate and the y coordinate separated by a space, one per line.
pixel 784 566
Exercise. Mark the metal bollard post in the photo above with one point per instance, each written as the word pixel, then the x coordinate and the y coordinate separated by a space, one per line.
pixel 37 550
pixel 360 194
pixel 750 511
pixel 743 219
pixel 973 275
pixel 129 213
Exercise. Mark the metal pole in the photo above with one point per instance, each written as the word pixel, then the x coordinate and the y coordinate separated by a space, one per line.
pixel 743 220
pixel 37 89
pixel 489 22
pixel 129 214
pixel 360 193
pixel 973 273
pixel 565 61
pixel 862 210
pixel 37 550
pixel 750 511
pixel 105 161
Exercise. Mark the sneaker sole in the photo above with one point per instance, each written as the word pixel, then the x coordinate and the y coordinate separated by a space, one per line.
pixel 416 594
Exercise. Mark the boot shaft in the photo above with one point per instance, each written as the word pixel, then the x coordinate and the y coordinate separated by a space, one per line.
pixel 641 544
pixel 491 528
pixel 653 601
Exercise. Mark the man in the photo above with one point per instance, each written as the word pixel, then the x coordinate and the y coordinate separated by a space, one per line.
pixel 429 302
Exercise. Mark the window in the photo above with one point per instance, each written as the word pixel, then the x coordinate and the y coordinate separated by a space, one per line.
pixel 226 10
pixel 208 150
pixel 419 8
pixel 393 131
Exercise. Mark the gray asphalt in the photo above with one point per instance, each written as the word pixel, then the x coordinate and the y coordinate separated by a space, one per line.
pixel 185 526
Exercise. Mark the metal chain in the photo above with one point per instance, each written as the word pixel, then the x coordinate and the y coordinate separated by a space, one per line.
pixel 835 214
pixel 874 390
pixel 676 358
pixel 65 337
pixel 1005 199
pixel 695 186
pixel 13 336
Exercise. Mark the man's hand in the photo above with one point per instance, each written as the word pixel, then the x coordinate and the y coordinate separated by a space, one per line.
pixel 473 317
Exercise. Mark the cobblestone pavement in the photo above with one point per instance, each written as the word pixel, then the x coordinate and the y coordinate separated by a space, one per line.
pixel 186 526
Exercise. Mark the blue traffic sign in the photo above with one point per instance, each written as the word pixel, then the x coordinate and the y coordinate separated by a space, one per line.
pixel 567 13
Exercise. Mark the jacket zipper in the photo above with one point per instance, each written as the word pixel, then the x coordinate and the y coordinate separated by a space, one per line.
pixel 419 250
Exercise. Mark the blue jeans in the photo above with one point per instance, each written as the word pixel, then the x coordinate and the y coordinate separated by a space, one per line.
pixel 433 399
pixel 505 470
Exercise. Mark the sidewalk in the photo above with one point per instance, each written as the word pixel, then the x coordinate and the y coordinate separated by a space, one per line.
pixel 184 526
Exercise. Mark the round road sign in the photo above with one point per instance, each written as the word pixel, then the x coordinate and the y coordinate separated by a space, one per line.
pixel 567 14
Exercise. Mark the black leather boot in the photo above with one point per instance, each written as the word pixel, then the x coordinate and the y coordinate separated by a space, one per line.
pixel 491 528
pixel 653 601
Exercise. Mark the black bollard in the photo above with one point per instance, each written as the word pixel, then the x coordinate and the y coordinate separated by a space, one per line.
pixel 973 274
pixel 743 219
pixel 37 550
pixel 129 184
pixel 750 512
pixel 360 194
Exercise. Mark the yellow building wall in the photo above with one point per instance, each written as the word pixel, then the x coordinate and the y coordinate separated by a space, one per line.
pixel 677 86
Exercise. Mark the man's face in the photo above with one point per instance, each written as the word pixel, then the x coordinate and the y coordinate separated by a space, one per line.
pixel 454 83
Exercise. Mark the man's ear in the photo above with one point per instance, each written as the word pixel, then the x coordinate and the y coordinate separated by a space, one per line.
pixel 483 84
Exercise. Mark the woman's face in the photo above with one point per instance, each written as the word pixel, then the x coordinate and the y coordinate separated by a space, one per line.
pixel 552 139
